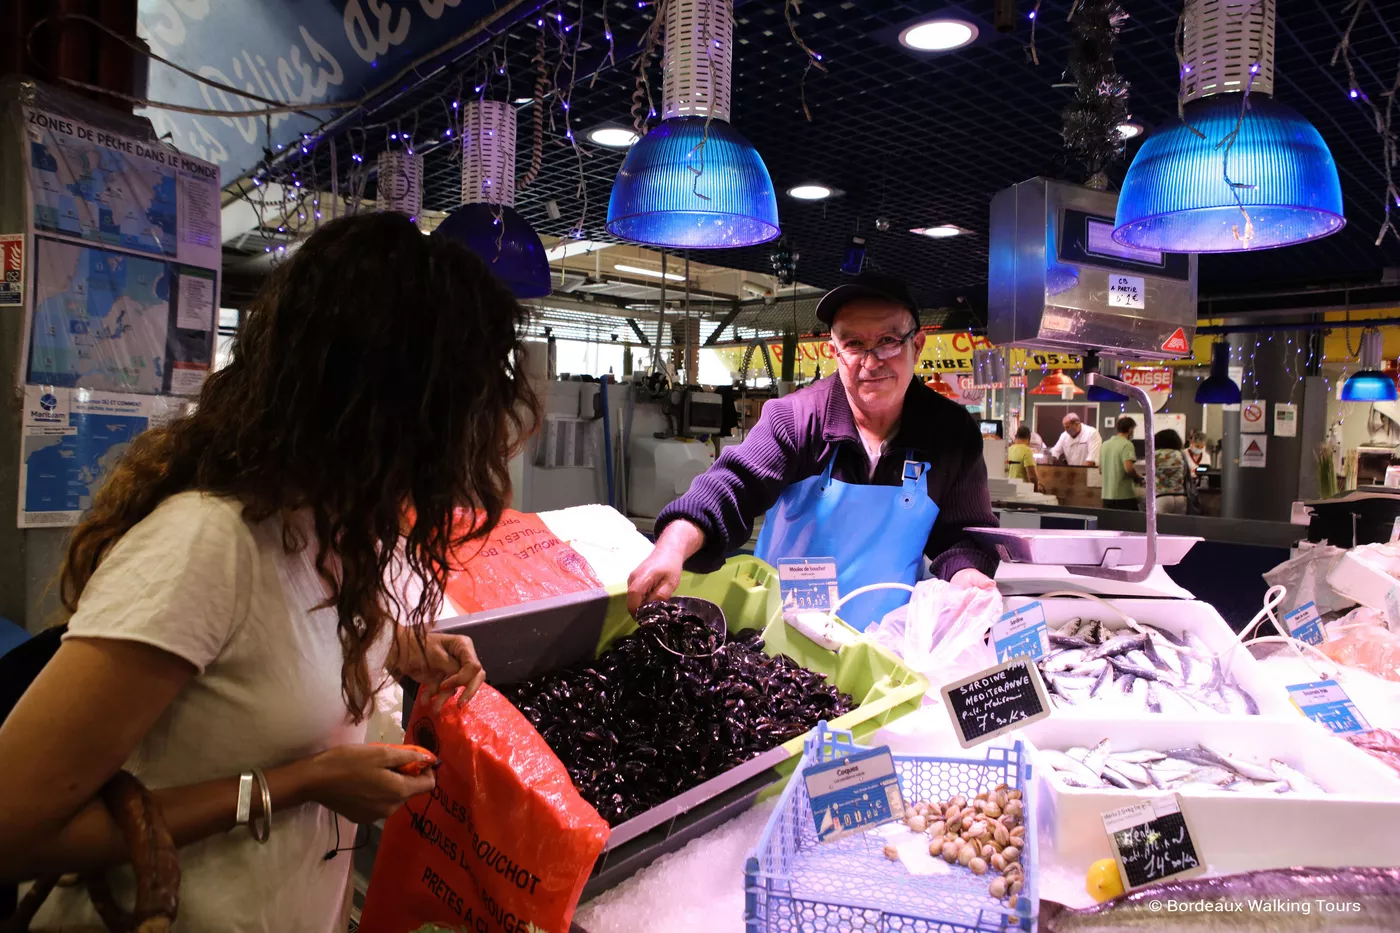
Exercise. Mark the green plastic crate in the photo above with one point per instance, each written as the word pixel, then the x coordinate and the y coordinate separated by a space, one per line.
pixel 747 590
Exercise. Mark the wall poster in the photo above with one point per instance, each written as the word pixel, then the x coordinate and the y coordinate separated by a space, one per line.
pixel 121 293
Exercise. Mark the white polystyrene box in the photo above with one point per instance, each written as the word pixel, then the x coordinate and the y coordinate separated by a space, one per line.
pixel 1176 616
pixel 605 538
pixel 1354 825
pixel 1366 575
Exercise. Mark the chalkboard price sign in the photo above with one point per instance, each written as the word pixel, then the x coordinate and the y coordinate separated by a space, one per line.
pixel 997 700
pixel 1152 842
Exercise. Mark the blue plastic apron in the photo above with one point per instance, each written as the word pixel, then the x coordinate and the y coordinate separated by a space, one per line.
pixel 876 534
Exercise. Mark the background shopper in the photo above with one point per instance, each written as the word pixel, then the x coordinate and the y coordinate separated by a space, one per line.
pixel 1120 467
pixel 1173 473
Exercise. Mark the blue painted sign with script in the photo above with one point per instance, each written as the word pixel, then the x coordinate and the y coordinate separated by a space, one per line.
pixel 314 50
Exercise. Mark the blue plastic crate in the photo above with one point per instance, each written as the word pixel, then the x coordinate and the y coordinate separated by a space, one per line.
pixel 795 884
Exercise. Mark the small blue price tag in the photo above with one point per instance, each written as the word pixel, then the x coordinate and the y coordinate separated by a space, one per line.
pixel 1305 624
pixel 807 582
pixel 1327 703
pixel 854 793
pixel 1021 633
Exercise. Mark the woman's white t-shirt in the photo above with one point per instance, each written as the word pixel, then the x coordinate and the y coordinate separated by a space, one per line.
pixel 197 580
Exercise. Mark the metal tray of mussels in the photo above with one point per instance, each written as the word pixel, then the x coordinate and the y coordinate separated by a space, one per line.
pixel 1074 548
pixel 518 642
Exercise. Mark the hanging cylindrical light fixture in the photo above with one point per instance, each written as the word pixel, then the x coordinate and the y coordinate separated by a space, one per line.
pixel 1229 179
pixel 1370 384
pixel 399 183
pixel 487 222
pixel 693 181
pixel 1218 388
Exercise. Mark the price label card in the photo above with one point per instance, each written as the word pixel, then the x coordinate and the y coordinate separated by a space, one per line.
pixel 1327 703
pixel 854 793
pixel 1305 624
pixel 1126 291
pixel 1151 842
pixel 997 700
pixel 808 582
pixel 1022 633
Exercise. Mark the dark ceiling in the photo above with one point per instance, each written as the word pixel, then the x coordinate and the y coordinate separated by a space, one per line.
pixel 923 140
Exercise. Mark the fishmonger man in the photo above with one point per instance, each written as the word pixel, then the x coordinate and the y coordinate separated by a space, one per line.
pixel 868 467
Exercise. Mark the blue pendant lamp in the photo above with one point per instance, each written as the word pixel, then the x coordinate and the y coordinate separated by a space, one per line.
pixel 1176 197
pixel 1369 384
pixel 1218 388
pixel 487 222
pixel 693 181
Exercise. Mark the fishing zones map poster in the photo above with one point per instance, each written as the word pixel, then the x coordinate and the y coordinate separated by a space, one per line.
pixel 122 307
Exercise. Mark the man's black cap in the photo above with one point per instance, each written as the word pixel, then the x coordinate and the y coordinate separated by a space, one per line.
pixel 866 285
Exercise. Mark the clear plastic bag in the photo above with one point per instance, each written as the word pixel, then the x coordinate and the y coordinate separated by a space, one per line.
pixel 1305 578
pixel 942 631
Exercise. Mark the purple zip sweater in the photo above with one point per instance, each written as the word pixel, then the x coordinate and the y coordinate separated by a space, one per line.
pixel 794 438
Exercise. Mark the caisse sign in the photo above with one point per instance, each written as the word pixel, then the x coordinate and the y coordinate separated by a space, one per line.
pixel 1156 381
pixel 1153 379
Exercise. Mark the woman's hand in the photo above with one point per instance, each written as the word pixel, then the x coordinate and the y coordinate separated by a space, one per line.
pixel 359 781
pixel 440 663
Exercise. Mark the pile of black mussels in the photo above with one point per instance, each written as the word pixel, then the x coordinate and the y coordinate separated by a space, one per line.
pixel 669 707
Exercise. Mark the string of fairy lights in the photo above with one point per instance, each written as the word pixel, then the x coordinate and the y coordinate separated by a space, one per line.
pixel 286 187
pixel 1381 114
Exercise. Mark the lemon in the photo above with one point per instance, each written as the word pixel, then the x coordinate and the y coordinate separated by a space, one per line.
pixel 1103 881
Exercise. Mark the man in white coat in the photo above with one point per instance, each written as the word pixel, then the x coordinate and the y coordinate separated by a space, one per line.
pixel 1078 445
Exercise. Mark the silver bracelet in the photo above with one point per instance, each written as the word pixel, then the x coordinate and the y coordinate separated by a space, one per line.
pixel 262 835
pixel 245 798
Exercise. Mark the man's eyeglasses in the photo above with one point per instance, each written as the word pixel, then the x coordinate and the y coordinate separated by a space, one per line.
pixel 886 348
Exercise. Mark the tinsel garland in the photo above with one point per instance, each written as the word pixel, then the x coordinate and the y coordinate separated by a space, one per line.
pixel 1100 93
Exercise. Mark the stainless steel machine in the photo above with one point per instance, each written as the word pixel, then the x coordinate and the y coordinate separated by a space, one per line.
pixel 1058 281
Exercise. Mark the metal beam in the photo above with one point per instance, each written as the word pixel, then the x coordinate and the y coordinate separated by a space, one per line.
pixel 599 308
pixel 1297 325
pixel 636 329
pixel 723 323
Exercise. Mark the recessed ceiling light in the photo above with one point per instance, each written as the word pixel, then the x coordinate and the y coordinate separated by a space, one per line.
pixel 1129 129
pixel 809 192
pixel 938 35
pixel 614 137
pixel 649 273
pixel 938 233
pixel 567 248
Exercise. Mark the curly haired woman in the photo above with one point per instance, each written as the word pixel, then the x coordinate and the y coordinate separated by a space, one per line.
pixel 249 573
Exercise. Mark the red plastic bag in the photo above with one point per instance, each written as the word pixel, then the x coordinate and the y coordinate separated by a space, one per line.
pixel 520 561
pixel 505 841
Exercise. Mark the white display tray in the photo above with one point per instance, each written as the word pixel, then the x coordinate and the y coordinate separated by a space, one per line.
pixel 1177 616
pixel 1071 547
pixel 1354 825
